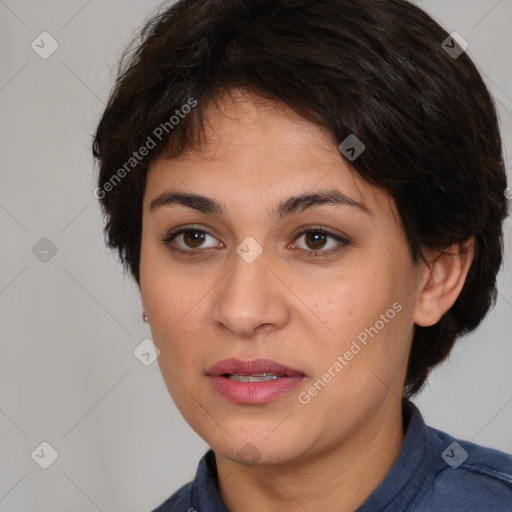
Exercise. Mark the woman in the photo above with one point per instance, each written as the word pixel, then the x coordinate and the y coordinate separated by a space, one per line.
pixel 310 196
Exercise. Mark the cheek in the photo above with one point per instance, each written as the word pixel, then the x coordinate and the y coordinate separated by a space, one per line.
pixel 175 301
pixel 368 314
pixel 350 302
pixel 167 292
pixel 172 310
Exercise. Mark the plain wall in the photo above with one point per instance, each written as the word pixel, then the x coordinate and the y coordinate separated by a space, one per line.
pixel 68 375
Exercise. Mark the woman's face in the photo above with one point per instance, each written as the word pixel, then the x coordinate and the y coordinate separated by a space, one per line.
pixel 327 290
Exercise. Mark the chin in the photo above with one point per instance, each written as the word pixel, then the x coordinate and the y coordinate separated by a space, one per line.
pixel 253 449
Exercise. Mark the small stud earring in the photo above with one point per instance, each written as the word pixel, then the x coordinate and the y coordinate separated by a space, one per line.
pixel 144 317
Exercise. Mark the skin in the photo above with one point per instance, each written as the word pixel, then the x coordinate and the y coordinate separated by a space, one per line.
pixel 301 311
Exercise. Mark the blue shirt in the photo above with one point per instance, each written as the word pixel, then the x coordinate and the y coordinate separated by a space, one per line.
pixel 434 472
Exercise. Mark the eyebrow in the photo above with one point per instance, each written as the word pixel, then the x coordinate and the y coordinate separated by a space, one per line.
pixel 288 206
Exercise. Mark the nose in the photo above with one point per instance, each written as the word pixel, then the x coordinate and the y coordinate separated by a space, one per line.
pixel 251 298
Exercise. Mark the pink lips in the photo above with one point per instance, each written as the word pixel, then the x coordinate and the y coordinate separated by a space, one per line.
pixel 253 392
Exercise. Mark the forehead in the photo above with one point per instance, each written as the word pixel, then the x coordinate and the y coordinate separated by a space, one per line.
pixel 254 150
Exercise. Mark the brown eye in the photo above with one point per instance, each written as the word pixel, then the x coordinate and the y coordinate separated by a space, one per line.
pixel 193 239
pixel 316 239
pixel 189 240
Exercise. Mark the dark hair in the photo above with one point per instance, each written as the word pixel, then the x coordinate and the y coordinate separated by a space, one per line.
pixel 377 69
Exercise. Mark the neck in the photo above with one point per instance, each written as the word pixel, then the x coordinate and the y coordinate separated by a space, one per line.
pixel 345 473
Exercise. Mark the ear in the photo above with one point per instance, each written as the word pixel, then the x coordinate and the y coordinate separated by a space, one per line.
pixel 443 282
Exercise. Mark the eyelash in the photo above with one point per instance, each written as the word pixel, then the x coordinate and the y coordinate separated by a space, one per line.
pixel 309 253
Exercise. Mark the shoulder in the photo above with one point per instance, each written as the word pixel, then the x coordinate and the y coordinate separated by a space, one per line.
pixel 177 502
pixel 469 477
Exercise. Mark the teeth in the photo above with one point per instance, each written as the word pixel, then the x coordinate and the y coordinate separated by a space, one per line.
pixel 257 377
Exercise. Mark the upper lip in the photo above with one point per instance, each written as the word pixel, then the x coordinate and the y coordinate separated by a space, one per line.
pixel 251 367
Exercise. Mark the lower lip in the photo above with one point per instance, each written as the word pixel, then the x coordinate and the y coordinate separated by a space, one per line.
pixel 254 392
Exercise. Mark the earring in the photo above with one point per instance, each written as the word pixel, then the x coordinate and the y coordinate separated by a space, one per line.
pixel 144 317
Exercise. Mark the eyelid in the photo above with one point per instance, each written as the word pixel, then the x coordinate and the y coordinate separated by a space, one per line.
pixel 323 229
pixel 188 227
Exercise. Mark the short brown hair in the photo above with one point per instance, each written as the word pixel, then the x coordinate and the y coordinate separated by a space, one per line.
pixel 377 69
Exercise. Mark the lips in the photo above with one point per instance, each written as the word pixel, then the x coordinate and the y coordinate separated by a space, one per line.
pixel 255 381
pixel 251 367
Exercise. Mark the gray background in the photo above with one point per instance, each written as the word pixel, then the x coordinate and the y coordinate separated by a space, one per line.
pixel 68 375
